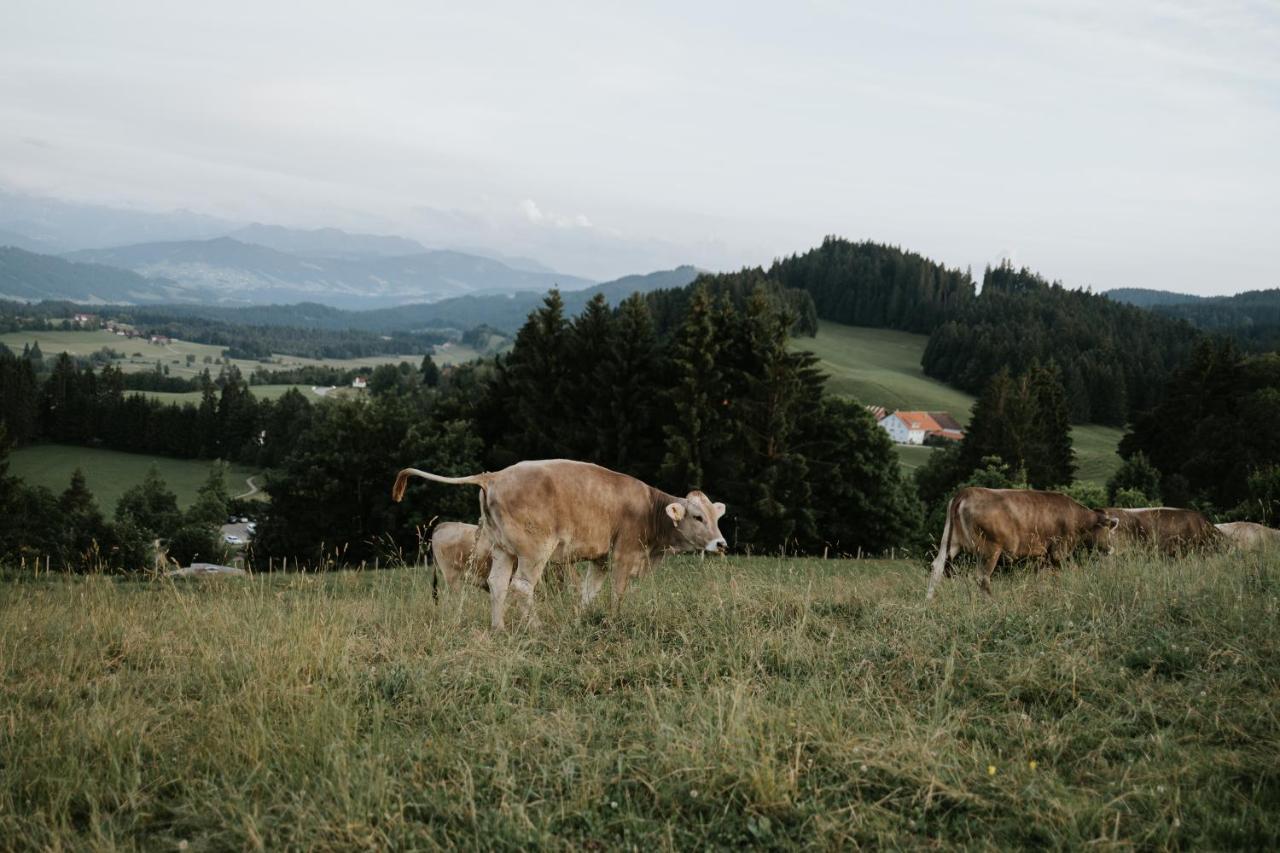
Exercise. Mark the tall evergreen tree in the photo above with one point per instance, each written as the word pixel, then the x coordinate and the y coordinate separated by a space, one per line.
pixel 698 430
pixel 1050 458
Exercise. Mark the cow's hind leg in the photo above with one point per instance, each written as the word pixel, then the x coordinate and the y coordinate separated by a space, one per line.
pixel 499 580
pixel 528 572
pixel 991 557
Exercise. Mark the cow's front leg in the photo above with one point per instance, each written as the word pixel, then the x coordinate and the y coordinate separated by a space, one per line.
pixel 592 581
pixel 499 580
pixel 623 570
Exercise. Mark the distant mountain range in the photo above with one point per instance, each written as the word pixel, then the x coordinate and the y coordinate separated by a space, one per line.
pixel 30 277
pixel 248 273
pixel 503 312
pixel 197 258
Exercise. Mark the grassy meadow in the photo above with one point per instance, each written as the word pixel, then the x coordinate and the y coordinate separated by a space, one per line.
pixel 774 702
pixel 109 473
pixel 881 367
pixel 142 355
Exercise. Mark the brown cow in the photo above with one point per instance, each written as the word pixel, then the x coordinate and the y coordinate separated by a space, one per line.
pixel 1016 523
pixel 1169 530
pixel 562 510
pixel 462 553
pixel 1248 536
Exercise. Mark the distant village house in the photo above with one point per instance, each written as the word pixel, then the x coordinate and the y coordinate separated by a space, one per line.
pixel 915 427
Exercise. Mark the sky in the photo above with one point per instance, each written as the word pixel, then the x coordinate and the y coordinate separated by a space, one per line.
pixel 1104 144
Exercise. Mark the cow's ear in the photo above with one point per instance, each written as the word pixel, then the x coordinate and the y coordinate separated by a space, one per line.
pixel 719 508
pixel 675 510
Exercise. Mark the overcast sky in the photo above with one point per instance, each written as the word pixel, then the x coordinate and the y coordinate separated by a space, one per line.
pixel 1102 143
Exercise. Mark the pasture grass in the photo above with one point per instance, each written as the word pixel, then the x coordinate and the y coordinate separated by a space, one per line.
pixel 109 473
pixel 881 367
pixel 773 702
pixel 140 355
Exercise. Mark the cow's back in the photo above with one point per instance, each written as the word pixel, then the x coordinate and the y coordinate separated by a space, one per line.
pixel 575 508
pixel 1171 530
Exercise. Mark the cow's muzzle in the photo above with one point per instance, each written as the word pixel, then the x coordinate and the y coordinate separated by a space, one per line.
pixel 719 546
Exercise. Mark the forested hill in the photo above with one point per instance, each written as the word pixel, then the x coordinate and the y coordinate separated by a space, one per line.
pixel 1114 358
pixel 1251 318
pixel 867 284
pixel 1147 298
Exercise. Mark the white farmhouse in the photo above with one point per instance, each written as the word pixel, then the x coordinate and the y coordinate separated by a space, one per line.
pixel 912 427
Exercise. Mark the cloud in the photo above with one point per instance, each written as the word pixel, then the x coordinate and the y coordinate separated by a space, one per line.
pixel 531 211
pixel 538 216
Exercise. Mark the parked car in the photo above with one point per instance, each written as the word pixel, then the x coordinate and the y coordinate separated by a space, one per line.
pixel 232 539
pixel 243 520
pixel 231 519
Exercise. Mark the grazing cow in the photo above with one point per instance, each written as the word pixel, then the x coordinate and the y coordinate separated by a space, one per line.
pixel 461 552
pixel 1248 536
pixel 1168 530
pixel 1016 523
pixel 567 511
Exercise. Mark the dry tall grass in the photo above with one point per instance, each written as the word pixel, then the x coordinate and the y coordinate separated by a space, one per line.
pixel 780 702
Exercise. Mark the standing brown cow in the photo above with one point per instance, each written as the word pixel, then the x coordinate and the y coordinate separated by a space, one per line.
pixel 1169 530
pixel 1016 523
pixel 567 511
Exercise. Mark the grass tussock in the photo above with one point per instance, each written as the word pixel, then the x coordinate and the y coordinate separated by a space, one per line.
pixel 763 701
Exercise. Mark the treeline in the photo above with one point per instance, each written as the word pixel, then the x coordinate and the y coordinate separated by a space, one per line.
pixel 669 308
pixel 75 404
pixel 1114 358
pixel 260 342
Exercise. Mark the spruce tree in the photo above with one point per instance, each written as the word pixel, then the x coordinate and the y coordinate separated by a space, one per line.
pixel 629 393
pixel 697 430
pixel 1050 458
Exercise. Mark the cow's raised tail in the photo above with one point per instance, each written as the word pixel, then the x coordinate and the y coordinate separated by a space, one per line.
pixel 944 548
pixel 402 480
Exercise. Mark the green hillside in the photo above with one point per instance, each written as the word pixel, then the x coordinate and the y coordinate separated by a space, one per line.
pixel 108 473
pixel 881 367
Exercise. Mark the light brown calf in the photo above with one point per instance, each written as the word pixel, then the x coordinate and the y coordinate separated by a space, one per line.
pixel 462 553
pixel 1248 536
pixel 566 511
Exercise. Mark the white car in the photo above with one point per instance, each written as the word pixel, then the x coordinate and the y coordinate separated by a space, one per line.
pixel 232 539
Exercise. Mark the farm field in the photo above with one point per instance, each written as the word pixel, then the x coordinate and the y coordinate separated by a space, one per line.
pixel 262 392
pixel 109 473
pixel 743 702
pixel 141 355
pixel 882 367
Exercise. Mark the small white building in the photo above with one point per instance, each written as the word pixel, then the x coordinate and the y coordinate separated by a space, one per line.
pixel 359 382
pixel 912 427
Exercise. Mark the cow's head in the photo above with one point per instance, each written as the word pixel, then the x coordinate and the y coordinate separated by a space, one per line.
pixel 1101 535
pixel 697 522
